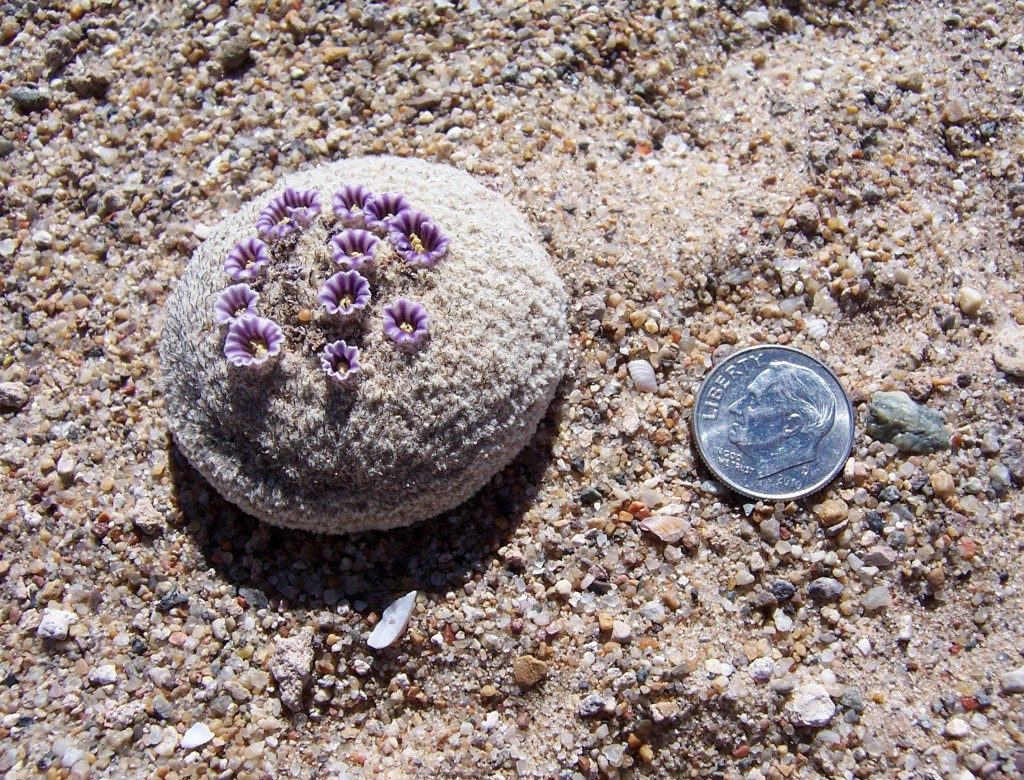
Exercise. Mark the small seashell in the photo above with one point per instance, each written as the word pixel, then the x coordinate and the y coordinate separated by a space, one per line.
pixel 643 377
pixel 816 327
pixel 393 622
pixel 668 528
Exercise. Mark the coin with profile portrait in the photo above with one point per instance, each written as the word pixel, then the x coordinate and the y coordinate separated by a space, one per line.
pixel 773 423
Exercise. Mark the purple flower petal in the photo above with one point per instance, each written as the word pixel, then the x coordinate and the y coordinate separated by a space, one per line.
pixel 405 322
pixel 252 341
pixel 290 211
pixel 340 361
pixel 344 292
pixel 354 247
pixel 234 303
pixel 246 261
pixel 349 204
pixel 383 208
pixel 417 239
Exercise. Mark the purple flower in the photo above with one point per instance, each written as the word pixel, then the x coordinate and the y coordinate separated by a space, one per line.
pixel 405 322
pixel 245 262
pixel 288 212
pixel 344 292
pixel 350 204
pixel 234 303
pixel 381 209
pixel 252 341
pixel 340 361
pixel 354 247
pixel 417 239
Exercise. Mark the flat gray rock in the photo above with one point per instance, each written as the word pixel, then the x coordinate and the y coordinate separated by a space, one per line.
pixel 895 417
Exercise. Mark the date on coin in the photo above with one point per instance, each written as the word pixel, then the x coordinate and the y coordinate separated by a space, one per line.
pixel 773 423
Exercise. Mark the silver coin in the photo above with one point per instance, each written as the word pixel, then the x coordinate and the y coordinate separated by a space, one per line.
pixel 773 423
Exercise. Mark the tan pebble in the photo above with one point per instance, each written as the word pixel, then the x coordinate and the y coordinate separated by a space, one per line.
pixel 668 528
pixel 942 484
pixel 605 621
pixel 645 753
pixel 832 512
pixel 528 671
pixel 969 300
pixel 488 691
pixel 177 638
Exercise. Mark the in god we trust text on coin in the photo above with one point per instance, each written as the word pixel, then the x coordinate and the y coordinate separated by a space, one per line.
pixel 773 423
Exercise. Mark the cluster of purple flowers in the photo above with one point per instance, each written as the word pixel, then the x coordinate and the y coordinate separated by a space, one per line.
pixel 253 341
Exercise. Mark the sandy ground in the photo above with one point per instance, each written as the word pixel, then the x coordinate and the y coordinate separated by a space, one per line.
pixel 705 177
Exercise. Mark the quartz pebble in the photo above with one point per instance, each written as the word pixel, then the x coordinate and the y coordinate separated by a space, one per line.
pixel 1012 681
pixel 105 674
pixel 810 706
pixel 877 598
pixel 1008 349
pixel 13 395
pixel 970 301
pixel 55 624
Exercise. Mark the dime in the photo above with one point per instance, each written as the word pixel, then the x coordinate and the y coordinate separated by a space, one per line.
pixel 773 423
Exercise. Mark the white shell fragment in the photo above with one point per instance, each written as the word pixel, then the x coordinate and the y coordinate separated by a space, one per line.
pixel 197 736
pixel 643 377
pixel 668 528
pixel 393 622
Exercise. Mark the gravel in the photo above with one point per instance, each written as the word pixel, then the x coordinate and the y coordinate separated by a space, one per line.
pixel 659 155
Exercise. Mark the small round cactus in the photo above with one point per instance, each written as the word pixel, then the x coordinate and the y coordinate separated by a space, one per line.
pixel 340 424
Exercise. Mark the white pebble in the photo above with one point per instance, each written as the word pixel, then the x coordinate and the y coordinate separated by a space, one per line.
pixel 1013 681
pixel 957 728
pixel 103 675
pixel 621 631
pixel 668 528
pixel 393 622
pixel 55 624
pixel 811 706
pixel 197 736
pixel 969 300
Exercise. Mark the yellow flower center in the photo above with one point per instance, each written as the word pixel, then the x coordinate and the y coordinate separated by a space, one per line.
pixel 342 365
pixel 355 253
pixel 417 244
pixel 284 220
pixel 407 327
pixel 241 310
pixel 344 301
pixel 258 348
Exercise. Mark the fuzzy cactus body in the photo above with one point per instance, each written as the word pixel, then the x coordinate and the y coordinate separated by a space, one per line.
pixel 423 428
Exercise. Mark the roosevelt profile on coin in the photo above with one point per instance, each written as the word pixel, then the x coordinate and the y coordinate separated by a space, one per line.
pixel 773 423
pixel 781 418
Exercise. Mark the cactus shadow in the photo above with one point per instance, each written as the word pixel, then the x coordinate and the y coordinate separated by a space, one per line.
pixel 289 569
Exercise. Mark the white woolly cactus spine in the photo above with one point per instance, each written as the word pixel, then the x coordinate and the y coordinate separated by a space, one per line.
pixel 374 420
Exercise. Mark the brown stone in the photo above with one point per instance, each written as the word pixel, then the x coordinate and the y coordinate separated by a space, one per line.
pixel 528 671
pixel 832 512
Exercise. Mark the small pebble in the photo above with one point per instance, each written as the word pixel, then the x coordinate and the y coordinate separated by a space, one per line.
pixel 1012 681
pixel 13 395
pixel 825 589
pixel 895 417
pixel 810 706
pixel 877 598
pixel 28 99
pixel 292 665
pixel 957 728
pixel 942 483
pixel 105 674
pixel 970 301
pixel 1007 347
pixel 55 624
pixel 528 671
